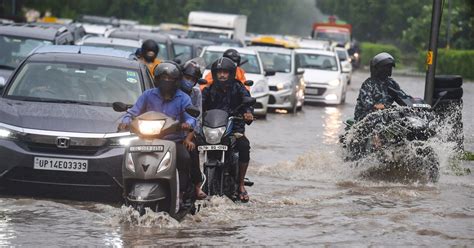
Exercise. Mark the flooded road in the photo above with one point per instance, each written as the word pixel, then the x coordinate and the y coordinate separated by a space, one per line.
pixel 304 194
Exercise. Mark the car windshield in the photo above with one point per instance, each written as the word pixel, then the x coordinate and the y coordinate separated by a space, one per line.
pixel 316 61
pixel 118 47
pixel 251 66
pixel 76 83
pixel 15 49
pixel 183 52
pixel 333 36
pixel 278 62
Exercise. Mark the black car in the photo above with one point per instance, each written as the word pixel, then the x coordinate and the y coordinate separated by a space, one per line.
pixel 18 40
pixel 186 49
pixel 163 41
pixel 58 130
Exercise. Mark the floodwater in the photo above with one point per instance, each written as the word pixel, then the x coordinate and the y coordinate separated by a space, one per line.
pixel 304 195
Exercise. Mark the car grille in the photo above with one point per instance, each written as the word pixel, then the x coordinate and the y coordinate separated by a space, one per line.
pixel 312 90
pixel 73 150
pixel 95 178
pixel 78 146
pixel 271 100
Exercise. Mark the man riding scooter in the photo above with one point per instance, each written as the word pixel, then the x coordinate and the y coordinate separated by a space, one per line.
pixel 168 99
pixel 226 93
pixel 234 55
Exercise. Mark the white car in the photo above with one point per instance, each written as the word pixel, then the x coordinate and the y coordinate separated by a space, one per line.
pixel 253 67
pixel 325 80
pixel 345 60
pixel 116 43
pixel 286 82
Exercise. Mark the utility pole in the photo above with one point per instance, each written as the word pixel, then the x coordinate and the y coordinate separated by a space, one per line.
pixel 448 27
pixel 432 53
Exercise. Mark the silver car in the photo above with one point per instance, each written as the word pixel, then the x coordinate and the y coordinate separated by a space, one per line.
pixel 285 81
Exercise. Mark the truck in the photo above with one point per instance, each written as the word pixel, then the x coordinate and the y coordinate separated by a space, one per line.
pixel 339 35
pixel 216 25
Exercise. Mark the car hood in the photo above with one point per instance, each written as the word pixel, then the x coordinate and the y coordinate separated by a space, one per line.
pixel 319 76
pixel 280 78
pixel 59 117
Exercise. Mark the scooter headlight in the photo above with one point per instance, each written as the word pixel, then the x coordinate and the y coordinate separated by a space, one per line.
pixel 165 162
pixel 213 135
pixel 129 163
pixel 150 127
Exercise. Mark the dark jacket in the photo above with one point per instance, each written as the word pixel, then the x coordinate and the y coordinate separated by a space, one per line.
pixel 215 97
pixel 374 91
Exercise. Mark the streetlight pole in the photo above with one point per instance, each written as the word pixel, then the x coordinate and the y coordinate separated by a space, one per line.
pixel 432 54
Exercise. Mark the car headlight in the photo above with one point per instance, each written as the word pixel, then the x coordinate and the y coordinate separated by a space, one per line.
pixel 6 133
pixel 165 162
pixel 334 82
pixel 258 88
pixel 122 141
pixel 150 127
pixel 213 135
pixel 282 86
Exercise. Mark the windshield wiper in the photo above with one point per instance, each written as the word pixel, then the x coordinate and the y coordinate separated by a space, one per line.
pixel 8 67
pixel 64 101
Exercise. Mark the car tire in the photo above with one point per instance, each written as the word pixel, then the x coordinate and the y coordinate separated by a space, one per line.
pixel 447 81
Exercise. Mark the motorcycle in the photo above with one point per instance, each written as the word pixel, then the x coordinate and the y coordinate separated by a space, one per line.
pixel 217 142
pixel 397 138
pixel 149 170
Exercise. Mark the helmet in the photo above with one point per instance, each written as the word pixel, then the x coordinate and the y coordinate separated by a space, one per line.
pixel 226 64
pixel 192 69
pixel 381 65
pixel 233 55
pixel 149 45
pixel 168 76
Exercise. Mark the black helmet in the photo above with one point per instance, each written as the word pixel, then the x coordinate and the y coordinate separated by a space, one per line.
pixel 149 45
pixel 233 55
pixel 192 69
pixel 381 65
pixel 223 64
pixel 168 77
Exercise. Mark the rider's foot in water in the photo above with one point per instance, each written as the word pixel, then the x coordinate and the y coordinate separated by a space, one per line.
pixel 200 195
pixel 243 195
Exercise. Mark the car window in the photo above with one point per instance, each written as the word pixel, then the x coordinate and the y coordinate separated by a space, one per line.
pixel 163 53
pixel 15 49
pixel 276 61
pixel 252 65
pixel 316 61
pixel 211 56
pixel 84 83
pixel 183 52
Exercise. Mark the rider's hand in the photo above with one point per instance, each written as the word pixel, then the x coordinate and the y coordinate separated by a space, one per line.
pixel 379 106
pixel 189 144
pixel 248 117
pixel 122 127
pixel 186 126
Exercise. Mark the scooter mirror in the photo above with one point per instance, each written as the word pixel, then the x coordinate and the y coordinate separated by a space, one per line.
pixel 202 81
pixel 193 111
pixel 249 101
pixel 120 107
pixel 248 83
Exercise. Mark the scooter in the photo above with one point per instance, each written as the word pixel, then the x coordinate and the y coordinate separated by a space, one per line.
pixel 149 170
pixel 221 159
pixel 397 137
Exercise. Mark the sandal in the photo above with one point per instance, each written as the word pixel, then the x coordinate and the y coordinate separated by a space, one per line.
pixel 244 196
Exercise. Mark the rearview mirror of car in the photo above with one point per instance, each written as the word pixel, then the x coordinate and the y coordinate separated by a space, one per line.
pixel 269 72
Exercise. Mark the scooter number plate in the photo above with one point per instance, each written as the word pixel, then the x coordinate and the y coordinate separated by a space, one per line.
pixel 212 148
pixel 149 148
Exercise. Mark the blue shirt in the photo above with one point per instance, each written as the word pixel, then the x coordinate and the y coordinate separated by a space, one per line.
pixel 151 100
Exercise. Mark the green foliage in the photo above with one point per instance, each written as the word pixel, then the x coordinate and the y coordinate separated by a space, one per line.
pixel 450 61
pixel 369 50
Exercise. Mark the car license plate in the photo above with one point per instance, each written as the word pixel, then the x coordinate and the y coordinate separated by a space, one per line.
pixel 312 91
pixel 60 164
pixel 212 148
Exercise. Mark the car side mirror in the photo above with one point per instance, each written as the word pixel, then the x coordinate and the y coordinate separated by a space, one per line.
pixel 120 107
pixel 248 83
pixel 299 71
pixel 269 72
pixel 249 101
pixel 193 111
pixel 202 81
pixel 346 67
